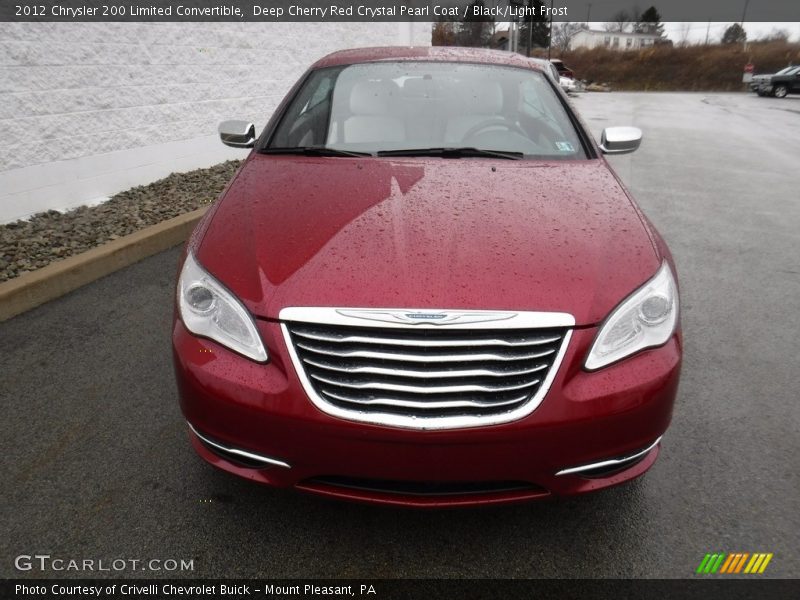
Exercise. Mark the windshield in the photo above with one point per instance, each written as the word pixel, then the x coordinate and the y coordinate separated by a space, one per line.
pixel 406 106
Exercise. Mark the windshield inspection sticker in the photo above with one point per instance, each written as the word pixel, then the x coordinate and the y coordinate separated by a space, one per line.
pixel 564 147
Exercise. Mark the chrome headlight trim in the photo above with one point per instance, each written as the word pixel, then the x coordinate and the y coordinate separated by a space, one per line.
pixel 628 330
pixel 225 320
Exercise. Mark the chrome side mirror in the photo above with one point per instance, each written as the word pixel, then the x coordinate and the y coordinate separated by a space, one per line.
pixel 620 140
pixel 237 134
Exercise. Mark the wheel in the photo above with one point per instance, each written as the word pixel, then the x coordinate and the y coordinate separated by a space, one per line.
pixel 780 91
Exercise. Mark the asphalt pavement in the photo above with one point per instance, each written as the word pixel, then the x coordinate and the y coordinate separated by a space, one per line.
pixel 97 465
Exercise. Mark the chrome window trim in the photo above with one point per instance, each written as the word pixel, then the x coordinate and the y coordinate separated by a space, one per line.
pixel 243 453
pixel 493 320
pixel 610 462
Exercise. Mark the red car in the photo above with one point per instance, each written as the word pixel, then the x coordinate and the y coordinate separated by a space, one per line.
pixel 563 70
pixel 425 286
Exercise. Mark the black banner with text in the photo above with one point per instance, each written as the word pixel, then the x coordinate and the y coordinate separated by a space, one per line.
pixel 413 589
pixel 388 10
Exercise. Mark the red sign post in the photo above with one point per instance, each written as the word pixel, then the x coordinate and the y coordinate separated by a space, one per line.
pixel 748 73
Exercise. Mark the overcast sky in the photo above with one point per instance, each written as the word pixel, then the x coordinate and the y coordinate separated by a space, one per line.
pixel 696 30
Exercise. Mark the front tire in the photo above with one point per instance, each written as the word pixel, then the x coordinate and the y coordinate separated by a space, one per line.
pixel 780 91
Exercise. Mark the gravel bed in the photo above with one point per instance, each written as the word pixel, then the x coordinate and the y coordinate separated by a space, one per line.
pixel 50 236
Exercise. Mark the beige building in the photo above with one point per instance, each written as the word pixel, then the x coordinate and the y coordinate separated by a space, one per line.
pixel 617 40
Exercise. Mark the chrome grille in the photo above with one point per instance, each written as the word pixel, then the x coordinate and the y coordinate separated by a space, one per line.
pixel 425 373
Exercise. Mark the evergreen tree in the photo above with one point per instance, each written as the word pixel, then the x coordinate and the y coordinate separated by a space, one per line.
pixel 735 34
pixel 538 25
pixel 650 22
pixel 474 31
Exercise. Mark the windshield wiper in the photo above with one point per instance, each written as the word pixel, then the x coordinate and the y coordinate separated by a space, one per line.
pixel 453 153
pixel 313 151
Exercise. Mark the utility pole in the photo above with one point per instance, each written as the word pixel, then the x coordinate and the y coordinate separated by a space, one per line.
pixel 550 33
pixel 514 34
pixel 588 14
pixel 529 42
pixel 511 29
pixel 708 29
pixel 744 14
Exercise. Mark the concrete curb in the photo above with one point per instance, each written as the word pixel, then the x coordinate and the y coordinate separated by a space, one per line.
pixel 56 279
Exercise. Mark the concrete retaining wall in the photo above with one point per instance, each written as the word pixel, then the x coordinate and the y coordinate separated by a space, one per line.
pixel 91 109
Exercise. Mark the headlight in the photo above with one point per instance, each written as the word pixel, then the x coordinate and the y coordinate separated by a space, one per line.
pixel 210 310
pixel 645 319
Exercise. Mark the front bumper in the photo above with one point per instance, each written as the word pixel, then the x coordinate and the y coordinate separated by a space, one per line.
pixel 232 403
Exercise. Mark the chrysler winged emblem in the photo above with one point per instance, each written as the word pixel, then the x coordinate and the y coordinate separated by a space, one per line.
pixel 430 317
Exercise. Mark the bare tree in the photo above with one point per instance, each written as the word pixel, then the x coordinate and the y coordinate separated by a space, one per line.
pixel 776 35
pixel 683 34
pixel 619 21
pixel 443 34
pixel 563 34
pixel 635 14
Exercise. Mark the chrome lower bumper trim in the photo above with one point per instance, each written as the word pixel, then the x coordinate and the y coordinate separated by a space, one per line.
pixel 610 462
pixel 266 460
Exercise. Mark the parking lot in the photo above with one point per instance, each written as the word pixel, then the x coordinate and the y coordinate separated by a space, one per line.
pixel 97 464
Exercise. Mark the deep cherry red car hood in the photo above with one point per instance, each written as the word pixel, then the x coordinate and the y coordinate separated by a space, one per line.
pixel 428 233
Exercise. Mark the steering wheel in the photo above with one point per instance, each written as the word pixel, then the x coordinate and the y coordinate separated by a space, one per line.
pixel 494 122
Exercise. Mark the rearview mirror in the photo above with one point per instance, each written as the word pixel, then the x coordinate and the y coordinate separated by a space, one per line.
pixel 620 140
pixel 237 134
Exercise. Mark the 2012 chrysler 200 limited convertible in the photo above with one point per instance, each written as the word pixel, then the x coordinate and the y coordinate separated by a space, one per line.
pixel 425 286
